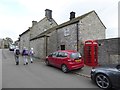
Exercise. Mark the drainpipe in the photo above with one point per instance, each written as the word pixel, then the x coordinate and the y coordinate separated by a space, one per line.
pixel 57 47
pixel 46 44
pixel 77 33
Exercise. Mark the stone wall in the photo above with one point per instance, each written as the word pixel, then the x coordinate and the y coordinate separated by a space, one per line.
pixel 25 41
pixel 108 51
pixel 52 42
pixel 91 28
pixel 38 46
pixel 67 36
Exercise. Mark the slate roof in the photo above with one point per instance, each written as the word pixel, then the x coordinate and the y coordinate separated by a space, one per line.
pixel 74 20
pixel 24 32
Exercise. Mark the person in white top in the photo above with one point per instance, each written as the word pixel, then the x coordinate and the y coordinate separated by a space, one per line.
pixel 31 53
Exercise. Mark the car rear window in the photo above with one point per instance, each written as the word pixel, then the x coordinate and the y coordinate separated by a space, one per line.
pixel 75 55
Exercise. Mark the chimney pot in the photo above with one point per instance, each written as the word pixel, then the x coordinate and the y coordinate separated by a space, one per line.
pixel 72 15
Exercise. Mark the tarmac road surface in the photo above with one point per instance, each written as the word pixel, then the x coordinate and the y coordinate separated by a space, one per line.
pixel 38 75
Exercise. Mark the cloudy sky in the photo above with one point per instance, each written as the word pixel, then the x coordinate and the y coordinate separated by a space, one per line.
pixel 17 15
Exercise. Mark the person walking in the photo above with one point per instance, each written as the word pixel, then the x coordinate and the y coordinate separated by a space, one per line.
pixel 16 54
pixel 31 53
pixel 25 56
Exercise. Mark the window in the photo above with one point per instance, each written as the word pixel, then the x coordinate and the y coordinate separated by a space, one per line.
pixel 55 54
pixel 75 55
pixel 61 54
pixel 65 54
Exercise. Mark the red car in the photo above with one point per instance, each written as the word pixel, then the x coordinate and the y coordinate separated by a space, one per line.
pixel 65 59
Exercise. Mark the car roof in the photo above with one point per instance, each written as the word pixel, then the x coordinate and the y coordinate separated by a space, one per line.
pixel 67 51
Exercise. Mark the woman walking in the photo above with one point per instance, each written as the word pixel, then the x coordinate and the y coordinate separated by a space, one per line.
pixel 25 55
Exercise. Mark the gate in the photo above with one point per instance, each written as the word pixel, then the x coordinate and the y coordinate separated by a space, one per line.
pixel 91 53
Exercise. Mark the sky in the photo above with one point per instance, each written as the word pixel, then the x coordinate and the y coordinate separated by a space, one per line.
pixel 16 16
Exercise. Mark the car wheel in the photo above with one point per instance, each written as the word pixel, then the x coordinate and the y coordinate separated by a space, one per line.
pixel 102 81
pixel 64 68
pixel 47 62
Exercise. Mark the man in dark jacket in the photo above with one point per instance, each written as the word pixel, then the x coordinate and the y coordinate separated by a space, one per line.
pixel 16 54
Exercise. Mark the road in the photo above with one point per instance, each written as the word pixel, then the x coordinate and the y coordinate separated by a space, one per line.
pixel 38 75
pixel 0 68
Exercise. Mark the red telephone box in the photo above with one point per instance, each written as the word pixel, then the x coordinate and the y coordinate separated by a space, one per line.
pixel 91 53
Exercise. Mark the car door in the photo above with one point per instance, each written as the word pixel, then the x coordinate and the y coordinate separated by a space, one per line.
pixel 51 58
pixel 54 58
pixel 118 76
pixel 61 57
pixel 58 59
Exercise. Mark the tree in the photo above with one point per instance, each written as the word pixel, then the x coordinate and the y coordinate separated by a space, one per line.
pixel 7 42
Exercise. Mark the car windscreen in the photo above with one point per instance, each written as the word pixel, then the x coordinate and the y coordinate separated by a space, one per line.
pixel 75 55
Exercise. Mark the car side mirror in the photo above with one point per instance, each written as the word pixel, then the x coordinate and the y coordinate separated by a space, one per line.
pixel 50 55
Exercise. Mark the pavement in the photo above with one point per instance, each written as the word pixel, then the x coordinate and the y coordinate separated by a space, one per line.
pixel 85 71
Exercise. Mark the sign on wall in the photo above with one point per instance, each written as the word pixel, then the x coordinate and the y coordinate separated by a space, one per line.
pixel 66 32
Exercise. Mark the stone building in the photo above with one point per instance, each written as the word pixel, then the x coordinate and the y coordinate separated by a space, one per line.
pixel 5 42
pixel 27 38
pixel 1 44
pixel 72 34
pixel 17 42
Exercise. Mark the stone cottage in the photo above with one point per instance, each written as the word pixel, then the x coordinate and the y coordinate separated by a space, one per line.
pixel 27 38
pixel 72 34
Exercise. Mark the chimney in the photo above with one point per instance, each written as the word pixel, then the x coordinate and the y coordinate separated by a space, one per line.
pixel 34 22
pixel 48 13
pixel 72 15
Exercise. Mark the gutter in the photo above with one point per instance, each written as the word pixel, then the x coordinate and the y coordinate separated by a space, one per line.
pixel 77 33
